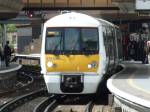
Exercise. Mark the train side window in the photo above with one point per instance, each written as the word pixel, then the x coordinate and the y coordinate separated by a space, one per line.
pixel 89 37
pixel 114 42
pixel 119 42
pixel 110 42
pixel 104 35
pixel 105 40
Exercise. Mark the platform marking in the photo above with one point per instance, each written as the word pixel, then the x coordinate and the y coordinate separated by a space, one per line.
pixel 131 82
pixel 11 70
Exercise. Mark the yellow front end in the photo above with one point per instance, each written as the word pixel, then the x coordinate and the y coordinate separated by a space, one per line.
pixel 72 63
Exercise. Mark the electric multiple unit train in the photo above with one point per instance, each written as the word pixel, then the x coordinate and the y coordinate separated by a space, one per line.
pixel 77 51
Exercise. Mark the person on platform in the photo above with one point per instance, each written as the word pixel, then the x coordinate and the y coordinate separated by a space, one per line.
pixel 7 54
pixel 125 42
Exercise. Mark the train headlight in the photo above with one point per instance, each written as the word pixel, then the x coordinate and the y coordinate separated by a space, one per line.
pixel 89 66
pixel 92 65
pixel 50 64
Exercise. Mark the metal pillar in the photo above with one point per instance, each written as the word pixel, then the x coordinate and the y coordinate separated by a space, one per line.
pixel 4 35
pixel 42 25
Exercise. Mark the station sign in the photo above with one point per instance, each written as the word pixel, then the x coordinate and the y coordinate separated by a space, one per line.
pixel 142 4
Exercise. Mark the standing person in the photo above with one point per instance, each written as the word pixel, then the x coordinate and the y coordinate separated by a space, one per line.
pixel 7 53
pixel 125 42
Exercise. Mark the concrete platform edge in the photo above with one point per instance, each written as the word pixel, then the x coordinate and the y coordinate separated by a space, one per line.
pixel 125 95
pixel 10 70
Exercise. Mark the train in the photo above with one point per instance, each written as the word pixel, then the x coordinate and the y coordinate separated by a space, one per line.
pixel 77 52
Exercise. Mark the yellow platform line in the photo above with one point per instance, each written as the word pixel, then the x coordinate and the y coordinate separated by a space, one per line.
pixel 132 84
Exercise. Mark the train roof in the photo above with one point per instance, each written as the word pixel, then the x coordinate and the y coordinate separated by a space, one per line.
pixel 74 19
pixel 104 22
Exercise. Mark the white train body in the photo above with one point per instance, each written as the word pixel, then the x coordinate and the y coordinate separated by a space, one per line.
pixel 75 55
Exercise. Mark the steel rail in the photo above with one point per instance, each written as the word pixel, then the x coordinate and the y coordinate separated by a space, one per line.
pixel 51 106
pixel 42 105
pixel 54 103
pixel 89 107
pixel 21 100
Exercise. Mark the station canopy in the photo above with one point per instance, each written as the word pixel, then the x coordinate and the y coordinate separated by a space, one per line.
pixel 10 8
pixel 110 9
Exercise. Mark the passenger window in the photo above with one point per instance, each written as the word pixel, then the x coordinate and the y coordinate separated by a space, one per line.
pixel 104 35
pixel 89 38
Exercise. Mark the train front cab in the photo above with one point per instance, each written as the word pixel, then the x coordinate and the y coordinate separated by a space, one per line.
pixel 73 65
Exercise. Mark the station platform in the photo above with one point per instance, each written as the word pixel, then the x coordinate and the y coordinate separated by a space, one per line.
pixel 131 87
pixel 8 76
pixel 12 67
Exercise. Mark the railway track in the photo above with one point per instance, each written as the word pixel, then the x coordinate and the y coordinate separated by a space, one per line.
pixel 26 83
pixel 51 103
pixel 43 104
pixel 26 76
pixel 89 107
pixel 34 71
pixel 40 101
pixel 9 106
pixel 75 108
pixel 23 81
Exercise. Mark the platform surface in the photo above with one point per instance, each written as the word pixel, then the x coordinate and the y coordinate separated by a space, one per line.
pixel 12 67
pixel 133 83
